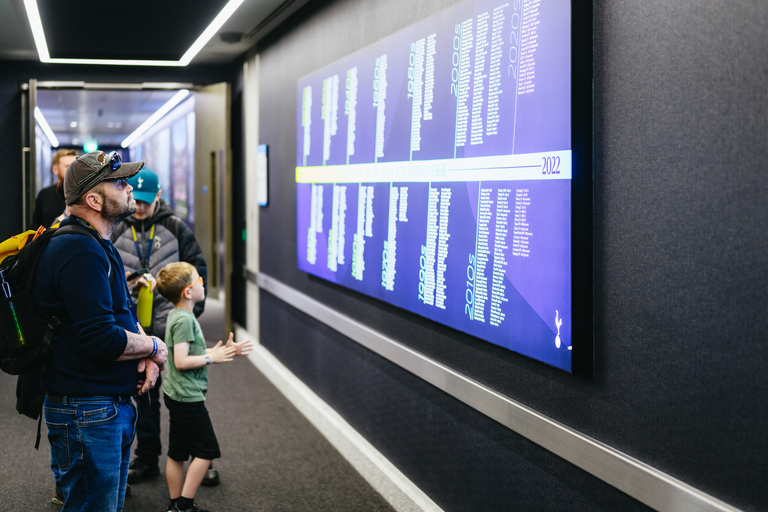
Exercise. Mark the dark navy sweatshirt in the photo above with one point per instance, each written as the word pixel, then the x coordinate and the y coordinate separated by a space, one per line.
pixel 73 282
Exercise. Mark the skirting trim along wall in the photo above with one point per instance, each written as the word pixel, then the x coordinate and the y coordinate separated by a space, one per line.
pixel 641 481
pixel 382 475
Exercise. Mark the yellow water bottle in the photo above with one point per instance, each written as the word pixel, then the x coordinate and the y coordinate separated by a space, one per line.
pixel 144 307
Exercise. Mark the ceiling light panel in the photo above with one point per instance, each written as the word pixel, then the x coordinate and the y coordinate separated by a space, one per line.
pixel 95 110
pixel 154 118
pixel 172 35
pixel 46 129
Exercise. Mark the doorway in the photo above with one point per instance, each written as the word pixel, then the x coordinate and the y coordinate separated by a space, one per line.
pixel 188 147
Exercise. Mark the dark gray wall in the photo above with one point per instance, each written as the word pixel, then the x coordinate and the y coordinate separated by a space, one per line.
pixel 680 272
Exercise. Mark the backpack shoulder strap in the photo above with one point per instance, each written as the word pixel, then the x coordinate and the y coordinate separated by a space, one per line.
pixel 75 228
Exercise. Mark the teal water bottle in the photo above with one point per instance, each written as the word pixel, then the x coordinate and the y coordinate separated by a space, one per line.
pixel 9 317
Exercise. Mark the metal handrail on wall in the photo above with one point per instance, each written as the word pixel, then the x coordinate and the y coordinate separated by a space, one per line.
pixel 631 476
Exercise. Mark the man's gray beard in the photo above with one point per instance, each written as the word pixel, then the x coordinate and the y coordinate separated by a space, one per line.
pixel 114 213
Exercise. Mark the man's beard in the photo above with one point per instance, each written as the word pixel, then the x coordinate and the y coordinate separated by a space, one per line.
pixel 113 212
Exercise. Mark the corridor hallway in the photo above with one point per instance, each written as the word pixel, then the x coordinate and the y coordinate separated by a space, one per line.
pixel 273 459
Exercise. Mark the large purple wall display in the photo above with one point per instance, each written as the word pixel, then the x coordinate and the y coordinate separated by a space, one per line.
pixel 434 172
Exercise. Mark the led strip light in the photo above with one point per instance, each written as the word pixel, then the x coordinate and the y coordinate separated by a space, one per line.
pixel 146 125
pixel 38 33
pixel 46 127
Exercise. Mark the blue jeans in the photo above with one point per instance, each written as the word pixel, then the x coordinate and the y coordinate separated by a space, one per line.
pixel 91 443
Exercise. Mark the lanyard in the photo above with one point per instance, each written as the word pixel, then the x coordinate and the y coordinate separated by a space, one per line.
pixel 86 224
pixel 144 262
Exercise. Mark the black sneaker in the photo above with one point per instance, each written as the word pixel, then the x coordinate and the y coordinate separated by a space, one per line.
pixel 193 508
pixel 140 470
pixel 58 496
pixel 211 477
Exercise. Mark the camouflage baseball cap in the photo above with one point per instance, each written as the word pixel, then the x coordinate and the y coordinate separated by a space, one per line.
pixel 90 169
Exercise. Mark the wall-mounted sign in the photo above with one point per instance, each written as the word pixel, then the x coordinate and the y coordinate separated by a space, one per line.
pixel 434 171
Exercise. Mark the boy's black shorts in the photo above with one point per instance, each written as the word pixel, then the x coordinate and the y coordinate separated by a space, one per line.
pixel 191 431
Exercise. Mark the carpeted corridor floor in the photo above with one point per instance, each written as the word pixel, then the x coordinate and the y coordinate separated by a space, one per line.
pixel 273 459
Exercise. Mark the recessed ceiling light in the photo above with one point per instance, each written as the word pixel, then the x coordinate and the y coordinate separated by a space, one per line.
pixel 37 29
pixel 46 127
pixel 73 124
pixel 209 32
pixel 146 125
pixel 33 14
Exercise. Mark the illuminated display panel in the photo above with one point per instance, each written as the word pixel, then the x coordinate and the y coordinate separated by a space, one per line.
pixel 434 172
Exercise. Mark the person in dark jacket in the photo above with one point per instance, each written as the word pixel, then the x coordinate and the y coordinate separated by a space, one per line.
pixel 100 355
pixel 48 204
pixel 151 238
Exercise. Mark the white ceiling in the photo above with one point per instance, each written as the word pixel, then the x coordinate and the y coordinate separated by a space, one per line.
pixel 104 116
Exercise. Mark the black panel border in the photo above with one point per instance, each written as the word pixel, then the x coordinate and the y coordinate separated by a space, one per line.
pixel 581 187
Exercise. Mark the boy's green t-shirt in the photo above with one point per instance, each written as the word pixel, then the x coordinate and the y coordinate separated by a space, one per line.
pixel 187 385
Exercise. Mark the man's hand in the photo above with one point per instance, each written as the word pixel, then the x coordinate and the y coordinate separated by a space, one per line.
pixel 151 372
pixel 162 353
pixel 141 346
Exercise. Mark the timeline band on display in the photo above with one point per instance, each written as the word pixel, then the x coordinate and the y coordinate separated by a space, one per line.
pixel 434 171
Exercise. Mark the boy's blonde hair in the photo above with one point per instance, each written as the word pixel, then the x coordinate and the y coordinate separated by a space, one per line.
pixel 173 278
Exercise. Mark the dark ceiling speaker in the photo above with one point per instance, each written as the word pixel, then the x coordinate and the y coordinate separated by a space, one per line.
pixel 231 37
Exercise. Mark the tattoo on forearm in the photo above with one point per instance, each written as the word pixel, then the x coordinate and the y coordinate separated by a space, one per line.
pixel 135 346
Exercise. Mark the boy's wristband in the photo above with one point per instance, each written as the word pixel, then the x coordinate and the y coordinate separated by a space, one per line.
pixel 154 351
pixel 207 360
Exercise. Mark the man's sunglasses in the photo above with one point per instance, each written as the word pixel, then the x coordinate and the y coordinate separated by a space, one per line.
pixel 114 161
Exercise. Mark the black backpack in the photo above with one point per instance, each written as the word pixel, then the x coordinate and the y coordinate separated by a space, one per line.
pixel 19 271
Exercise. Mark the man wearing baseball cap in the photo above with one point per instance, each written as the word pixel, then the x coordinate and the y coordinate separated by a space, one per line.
pixel 100 356
pixel 151 238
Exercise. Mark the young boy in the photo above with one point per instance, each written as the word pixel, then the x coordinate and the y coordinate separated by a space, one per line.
pixel 186 382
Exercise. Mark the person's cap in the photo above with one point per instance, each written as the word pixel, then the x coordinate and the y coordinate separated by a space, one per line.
pixel 90 169
pixel 145 185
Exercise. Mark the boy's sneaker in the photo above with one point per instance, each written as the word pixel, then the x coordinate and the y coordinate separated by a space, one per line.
pixel 58 496
pixel 193 508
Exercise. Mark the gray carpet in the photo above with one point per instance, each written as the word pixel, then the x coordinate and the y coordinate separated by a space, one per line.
pixel 273 459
